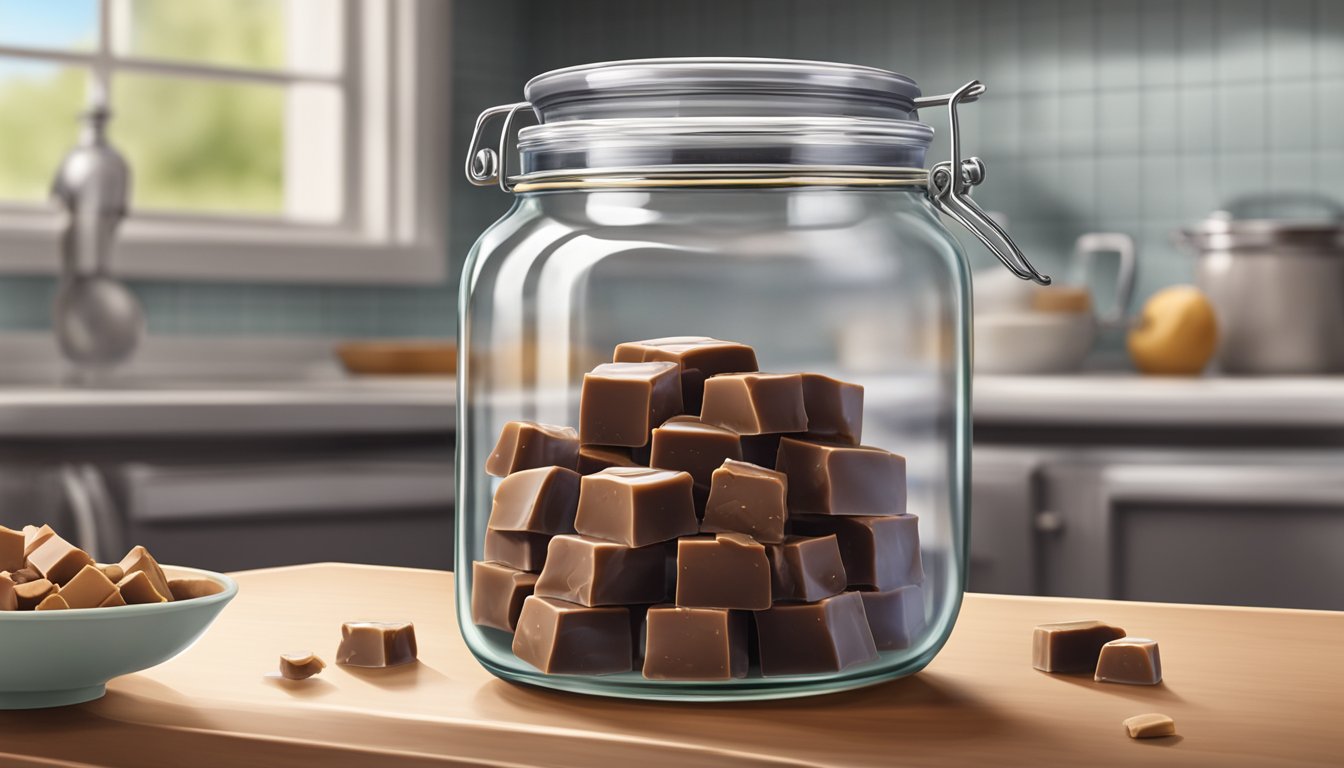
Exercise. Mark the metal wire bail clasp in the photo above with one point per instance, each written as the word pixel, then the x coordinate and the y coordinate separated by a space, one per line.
pixel 490 165
pixel 950 184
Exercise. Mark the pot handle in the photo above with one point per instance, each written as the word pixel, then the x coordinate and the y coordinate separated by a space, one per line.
pixel 1085 250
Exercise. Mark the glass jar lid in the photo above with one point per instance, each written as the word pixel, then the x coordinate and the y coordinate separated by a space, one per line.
pixel 735 122
pixel 718 87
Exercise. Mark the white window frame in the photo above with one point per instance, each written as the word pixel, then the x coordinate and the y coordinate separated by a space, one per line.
pixel 396 117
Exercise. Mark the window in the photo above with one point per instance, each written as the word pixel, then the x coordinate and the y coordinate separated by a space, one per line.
pixel 268 139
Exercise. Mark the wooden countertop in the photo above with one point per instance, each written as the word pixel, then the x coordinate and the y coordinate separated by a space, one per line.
pixel 1245 686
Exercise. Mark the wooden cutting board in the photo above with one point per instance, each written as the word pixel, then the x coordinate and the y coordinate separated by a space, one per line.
pixel 1248 687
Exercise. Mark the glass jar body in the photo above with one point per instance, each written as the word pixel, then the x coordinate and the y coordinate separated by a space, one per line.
pixel 860 283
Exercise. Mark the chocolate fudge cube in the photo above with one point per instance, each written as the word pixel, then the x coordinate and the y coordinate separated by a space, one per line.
pixel 727 570
pixel 806 568
pixel 561 638
pixel 699 357
pixel 745 498
pixel 1071 646
pixel 695 644
pixel 831 479
pixel 636 506
pixel 896 617
pixel 9 599
pixel 517 549
pixel 834 408
pixel 589 571
pixel 528 445
pixel 595 458
pixel 622 402
pixel 755 403
pixel 497 594
pixel 878 552
pixel 694 447
pixel 58 560
pixel 1129 660
pixel 541 500
pixel 807 638
pixel 377 644
pixel 11 549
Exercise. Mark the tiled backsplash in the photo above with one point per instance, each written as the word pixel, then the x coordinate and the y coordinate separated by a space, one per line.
pixel 1121 115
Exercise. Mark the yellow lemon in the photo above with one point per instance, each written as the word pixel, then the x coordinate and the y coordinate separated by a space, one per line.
pixel 1177 332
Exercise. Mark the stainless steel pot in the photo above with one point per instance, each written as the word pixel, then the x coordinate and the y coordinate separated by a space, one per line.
pixel 1274 270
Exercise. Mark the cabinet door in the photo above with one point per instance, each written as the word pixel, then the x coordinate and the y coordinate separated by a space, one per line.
pixel 1003 508
pixel 1241 532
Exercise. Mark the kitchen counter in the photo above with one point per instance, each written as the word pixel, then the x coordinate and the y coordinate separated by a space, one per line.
pixel 1246 687
pixel 1133 400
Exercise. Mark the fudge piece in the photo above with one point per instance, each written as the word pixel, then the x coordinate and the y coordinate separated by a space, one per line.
pixel 621 403
pixel 896 617
pixel 834 408
pixel 53 602
pixel 595 458
pixel 111 601
pixel 9 601
pixel 562 638
pixel 57 559
pixel 12 557
pixel 521 550
pixel 591 571
pixel 878 552
pixel 1149 726
pixel 33 536
pixel 139 559
pixel 755 403
pixel 191 588
pixel 136 589
pixel 698 357
pixel 745 498
pixel 88 589
pixel 695 643
pixel 805 638
pixel 695 448
pixel 528 445
pixel 497 594
pixel 636 506
pixel 541 500
pixel 832 479
pixel 30 593
pixel 1071 646
pixel 23 575
pixel 806 568
pixel 300 666
pixel 1130 660
pixel 727 570
pixel 113 572
pixel 376 644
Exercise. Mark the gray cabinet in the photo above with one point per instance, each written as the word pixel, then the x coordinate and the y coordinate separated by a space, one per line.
pixel 1236 526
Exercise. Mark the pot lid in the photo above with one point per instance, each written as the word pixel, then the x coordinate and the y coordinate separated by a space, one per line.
pixel 1284 222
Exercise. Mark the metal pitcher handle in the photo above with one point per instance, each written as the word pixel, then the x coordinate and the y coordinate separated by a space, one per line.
pixel 1085 250
pixel 950 183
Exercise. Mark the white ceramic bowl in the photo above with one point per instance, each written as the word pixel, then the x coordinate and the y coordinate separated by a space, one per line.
pixel 1032 342
pixel 54 658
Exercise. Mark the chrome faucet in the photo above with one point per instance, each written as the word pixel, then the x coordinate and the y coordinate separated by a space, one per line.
pixel 97 320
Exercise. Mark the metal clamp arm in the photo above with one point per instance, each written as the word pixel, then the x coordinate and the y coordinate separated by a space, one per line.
pixel 950 184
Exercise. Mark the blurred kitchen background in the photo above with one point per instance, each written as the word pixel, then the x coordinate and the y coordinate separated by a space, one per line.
pixel 297 186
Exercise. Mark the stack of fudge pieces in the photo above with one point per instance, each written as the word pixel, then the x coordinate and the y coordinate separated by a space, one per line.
pixel 705 519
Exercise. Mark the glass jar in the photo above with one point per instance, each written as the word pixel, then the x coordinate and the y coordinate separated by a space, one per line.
pixel 781 204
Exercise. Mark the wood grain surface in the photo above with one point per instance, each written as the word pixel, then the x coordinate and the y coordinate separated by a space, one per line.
pixel 1247 687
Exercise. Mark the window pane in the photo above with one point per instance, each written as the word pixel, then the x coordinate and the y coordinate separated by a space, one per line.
pixel 292 35
pixel 201 145
pixel 39 121
pixel 67 24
